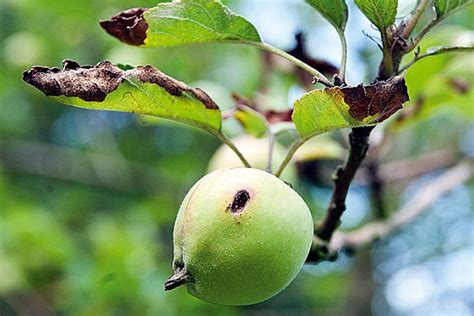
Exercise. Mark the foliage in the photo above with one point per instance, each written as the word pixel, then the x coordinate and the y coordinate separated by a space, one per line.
pixel 88 198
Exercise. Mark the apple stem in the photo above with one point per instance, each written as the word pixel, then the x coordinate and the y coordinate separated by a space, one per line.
pixel 180 277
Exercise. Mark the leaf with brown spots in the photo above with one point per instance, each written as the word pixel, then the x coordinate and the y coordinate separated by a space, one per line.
pixel 320 111
pixel 179 23
pixel 142 90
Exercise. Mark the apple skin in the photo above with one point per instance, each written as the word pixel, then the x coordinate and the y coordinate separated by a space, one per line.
pixel 255 150
pixel 241 236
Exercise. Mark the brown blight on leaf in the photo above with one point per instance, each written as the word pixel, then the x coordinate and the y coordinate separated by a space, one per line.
pixel 94 83
pixel 128 26
pixel 382 98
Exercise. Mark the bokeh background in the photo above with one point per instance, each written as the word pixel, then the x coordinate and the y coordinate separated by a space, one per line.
pixel 88 198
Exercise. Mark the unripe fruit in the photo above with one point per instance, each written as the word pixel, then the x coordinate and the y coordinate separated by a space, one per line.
pixel 255 150
pixel 241 236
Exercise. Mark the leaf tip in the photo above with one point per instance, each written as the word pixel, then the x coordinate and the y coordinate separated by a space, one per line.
pixel 128 26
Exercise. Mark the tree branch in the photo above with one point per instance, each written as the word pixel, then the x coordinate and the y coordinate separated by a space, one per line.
pixel 342 179
pixel 431 25
pixel 412 21
pixel 441 50
pixel 416 206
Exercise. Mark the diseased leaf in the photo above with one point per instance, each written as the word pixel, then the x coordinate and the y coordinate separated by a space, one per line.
pixel 141 90
pixel 335 11
pixel 180 22
pixel 320 111
pixel 444 7
pixel 381 13
pixel 253 122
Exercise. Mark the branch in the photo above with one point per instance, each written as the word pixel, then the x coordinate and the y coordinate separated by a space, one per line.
pixel 234 148
pixel 342 179
pixel 416 206
pixel 291 151
pixel 412 21
pixel 431 25
pixel 441 50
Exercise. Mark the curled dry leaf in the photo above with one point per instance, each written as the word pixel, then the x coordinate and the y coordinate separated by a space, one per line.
pixel 325 110
pixel 128 26
pixel 142 90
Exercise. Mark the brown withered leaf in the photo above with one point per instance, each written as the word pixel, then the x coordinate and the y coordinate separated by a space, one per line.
pixel 94 83
pixel 382 98
pixel 128 26
pixel 320 111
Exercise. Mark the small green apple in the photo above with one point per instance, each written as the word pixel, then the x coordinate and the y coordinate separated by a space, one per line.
pixel 241 236
pixel 255 150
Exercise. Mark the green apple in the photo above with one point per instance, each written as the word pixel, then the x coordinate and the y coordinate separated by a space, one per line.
pixel 241 236
pixel 255 150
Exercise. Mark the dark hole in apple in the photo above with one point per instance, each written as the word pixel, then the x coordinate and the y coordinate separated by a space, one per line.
pixel 241 199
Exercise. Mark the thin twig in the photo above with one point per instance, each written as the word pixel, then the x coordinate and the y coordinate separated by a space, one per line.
pixel 291 151
pixel 232 146
pixel 431 25
pixel 271 142
pixel 441 50
pixel 412 21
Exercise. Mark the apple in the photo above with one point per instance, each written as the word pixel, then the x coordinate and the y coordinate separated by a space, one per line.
pixel 240 237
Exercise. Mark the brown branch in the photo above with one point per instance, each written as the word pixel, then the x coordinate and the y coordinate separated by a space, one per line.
pixel 416 206
pixel 358 139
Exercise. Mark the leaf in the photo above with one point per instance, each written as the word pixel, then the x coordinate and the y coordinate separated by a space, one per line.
pixel 141 90
pixel 180 22
pixel 381 13
pixel 320 111
pixel 253 122
pixel 335 11
pixel 444 7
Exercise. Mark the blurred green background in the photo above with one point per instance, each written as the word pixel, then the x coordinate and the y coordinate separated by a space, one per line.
pixel 88 198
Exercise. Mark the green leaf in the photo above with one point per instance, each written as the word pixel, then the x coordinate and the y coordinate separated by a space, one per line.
pixel 320 111
pixel 335 11
pixel 444 7
pixel 181 22
pixel 253 122
pixel 381 13
pixel 141 90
